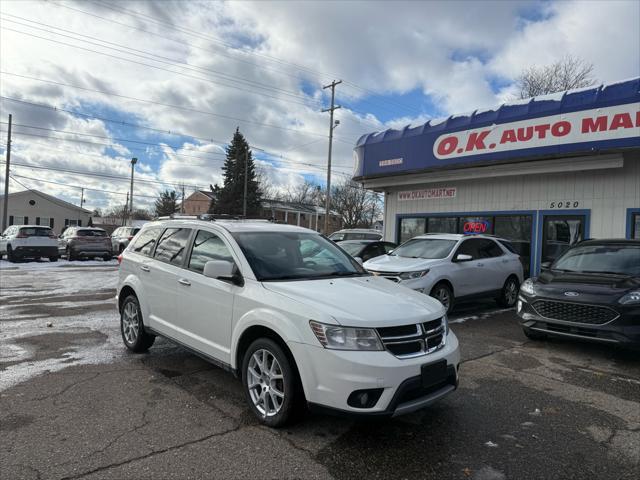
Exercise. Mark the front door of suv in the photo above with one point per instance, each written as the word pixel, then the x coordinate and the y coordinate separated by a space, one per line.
pixel 468 277
pixel 206 304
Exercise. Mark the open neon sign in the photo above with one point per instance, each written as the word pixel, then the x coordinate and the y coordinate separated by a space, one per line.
pixel 476 227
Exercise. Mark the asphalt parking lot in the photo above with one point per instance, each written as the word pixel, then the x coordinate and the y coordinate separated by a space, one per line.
pixel 75 404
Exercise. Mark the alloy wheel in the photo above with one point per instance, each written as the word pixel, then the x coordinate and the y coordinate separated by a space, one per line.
pixel 511 292
pixel 443 296
pixel 130 323
pixel 265 382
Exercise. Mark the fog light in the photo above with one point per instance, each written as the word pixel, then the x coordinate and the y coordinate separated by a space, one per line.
pixel 364 398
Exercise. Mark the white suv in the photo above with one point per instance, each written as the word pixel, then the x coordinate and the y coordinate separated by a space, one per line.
pixel 29 241
pixel 454 267
pixel 290 313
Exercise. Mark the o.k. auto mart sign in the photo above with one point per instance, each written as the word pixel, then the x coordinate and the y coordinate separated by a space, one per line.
pixel 427 194
pixel 611 123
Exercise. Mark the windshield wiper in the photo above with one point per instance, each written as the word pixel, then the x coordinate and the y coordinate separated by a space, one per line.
pixel 606 273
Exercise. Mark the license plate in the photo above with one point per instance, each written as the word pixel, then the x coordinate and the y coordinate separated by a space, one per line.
pixel 434 373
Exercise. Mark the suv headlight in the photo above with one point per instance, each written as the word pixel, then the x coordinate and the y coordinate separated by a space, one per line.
pixel 413 275
pixel 630 298
pixel 528 287
pixel 346 338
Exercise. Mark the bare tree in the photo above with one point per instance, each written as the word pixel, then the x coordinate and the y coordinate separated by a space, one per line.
pixel 565 74
pixel 307 193
pixel 356 206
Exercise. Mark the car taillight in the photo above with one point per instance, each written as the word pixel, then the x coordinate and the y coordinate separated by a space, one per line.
pixel 52 235
pixel 119 259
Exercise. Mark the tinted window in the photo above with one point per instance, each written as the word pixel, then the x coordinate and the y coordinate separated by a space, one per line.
pixel 388 247
pixel 352 249
pixel 207 246
pixel 336 237
pixel 469 247
pixel 91 233
pixel 145 242
pixel 371 236
pixel 172 245
pixel 35 232
pixel 425 248
pixel 489 249
pixel 508 246
pixel 622 259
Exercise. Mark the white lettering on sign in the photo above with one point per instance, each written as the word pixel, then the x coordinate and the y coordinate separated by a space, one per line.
pixel 427 194
pixel 392 161
pixel 610 123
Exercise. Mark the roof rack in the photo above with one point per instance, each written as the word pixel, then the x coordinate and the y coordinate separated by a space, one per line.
pixel 212 217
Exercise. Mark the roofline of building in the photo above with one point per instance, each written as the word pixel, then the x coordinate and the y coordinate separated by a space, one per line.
pixel 51 199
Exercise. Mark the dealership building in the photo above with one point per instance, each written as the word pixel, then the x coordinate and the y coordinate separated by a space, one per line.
pixel 543 172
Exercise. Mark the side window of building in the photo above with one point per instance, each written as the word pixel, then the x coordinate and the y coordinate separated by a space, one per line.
pixel 146 241
pixel 207 246
pixel 172 245
pixel 489 249
pixel 469 247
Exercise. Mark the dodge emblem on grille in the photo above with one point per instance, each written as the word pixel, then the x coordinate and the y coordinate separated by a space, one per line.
pixel 571 294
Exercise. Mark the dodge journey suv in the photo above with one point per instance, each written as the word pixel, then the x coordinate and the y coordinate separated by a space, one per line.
pixel 290 313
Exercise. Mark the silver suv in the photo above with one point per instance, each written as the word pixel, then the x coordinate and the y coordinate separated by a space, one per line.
pixel 454 267
pixel 121 237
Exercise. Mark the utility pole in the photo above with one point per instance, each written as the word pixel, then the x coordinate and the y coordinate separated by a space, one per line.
pixel 134 160
pixel 81 197
pixel 6 179
pixel 332 126
pixel 246 176
pixel 124 210
pixel 182 203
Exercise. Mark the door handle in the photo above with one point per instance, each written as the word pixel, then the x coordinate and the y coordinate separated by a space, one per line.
pixel 184 282
pixel 144 268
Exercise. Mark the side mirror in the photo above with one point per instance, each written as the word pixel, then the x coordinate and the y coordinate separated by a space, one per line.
pixel 545 265
pixel 359 260
pixel 222 270
pixel 462 257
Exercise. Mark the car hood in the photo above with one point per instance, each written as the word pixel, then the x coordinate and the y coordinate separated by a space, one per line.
pixel 391 263
pixel 361 301
pixel 584 287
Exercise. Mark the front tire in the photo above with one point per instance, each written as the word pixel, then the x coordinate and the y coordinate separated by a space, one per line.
pixel 270 383
pixel 53 258
pixel 132 327
pixel 509 293
pixel 70 255
pixel 10 255
pixel 443 293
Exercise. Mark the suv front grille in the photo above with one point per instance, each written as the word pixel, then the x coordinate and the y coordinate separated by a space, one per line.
pixel 393 276
pixel 575 312
pixel 408 341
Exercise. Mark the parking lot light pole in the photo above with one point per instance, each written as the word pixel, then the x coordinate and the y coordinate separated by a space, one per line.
pixel 134 160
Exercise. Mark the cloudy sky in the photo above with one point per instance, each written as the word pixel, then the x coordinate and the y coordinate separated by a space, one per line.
pixel 91 84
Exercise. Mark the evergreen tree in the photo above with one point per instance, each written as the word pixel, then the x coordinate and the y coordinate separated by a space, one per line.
pixel 167 203
pixel 230 195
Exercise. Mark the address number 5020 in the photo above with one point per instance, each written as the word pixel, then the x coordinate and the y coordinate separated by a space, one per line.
pixel 568 204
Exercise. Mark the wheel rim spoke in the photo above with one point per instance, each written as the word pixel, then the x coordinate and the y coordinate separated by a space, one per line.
pixel 265 382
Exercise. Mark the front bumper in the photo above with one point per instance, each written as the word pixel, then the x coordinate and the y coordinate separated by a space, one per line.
pixel 329 377
pixel 624 330
pixel 36 251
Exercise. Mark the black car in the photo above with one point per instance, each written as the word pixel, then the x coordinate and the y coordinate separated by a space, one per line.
pixel 592 292
pixel 366 249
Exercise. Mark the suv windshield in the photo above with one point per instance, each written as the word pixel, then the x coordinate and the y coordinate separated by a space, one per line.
pixel 425 248
pixel 295 256
pixel 618 259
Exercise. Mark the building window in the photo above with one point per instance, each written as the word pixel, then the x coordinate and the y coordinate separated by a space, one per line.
pixel 18 220
pixel 411 227
pixel 635 225
pixel 43 221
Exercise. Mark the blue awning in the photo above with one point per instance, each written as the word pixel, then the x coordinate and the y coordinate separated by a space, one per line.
pixel 577 122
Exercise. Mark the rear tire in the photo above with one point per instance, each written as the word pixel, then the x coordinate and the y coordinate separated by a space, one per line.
pixel 106 258
pixel 70 256
pixel 533 335
pixel 271 383
pixel 509 294
pixel 134 336
pixel 53 259
pixel 443 293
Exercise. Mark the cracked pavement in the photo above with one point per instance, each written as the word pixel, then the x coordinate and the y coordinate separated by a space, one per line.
pixel 74 404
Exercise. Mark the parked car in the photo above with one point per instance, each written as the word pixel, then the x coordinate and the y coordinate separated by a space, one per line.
pixel 85 242
pixel 454 267
pixel 291 314
pixel 592 292
pixel 121 237
pixel 28 241
pixel 355 234
pixel 366 249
